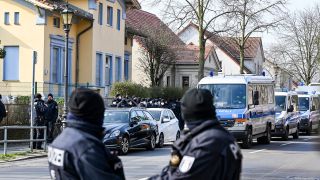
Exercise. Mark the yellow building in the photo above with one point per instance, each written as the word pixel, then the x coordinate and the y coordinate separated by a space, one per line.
pixel 97 54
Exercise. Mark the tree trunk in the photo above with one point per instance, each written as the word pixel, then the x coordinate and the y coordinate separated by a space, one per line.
pixel 241 60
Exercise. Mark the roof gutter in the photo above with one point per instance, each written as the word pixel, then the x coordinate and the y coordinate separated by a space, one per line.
pixel 77 51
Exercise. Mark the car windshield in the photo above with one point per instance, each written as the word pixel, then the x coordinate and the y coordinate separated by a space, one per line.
pixel 156 114
pixel 303 103
pixel 280 103
pixel 227 96
pixel 116 117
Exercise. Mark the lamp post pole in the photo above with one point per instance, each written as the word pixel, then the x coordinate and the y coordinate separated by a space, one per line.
pixel 67 18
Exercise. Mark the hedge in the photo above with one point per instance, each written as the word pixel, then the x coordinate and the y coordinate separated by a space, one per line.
pixel 137 90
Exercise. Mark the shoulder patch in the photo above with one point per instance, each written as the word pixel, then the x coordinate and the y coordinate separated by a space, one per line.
pixel 186 163
pixel 55 156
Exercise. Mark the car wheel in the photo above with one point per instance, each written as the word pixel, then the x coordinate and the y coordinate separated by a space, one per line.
pixel 152 142
pixel 247 141
pixel 296 134
pixel 265 139
pixel 124 145
pixel 161 141
pixel 285 137
pixel 178 135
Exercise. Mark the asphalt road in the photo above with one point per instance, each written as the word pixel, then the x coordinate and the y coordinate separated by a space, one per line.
pixel 293 159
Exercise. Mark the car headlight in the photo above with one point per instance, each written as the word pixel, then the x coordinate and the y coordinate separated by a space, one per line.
pixel 115 133
pixel 279 121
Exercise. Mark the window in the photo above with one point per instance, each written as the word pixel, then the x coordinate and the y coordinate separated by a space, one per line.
pixel 126 66
pixel 109 15
pixel 56 22
pixel 148 115
pixel 110 70
pixel 6 18
pixel 185 81
pixel 118 18
pixel 168 81
pixel 55 65
pixel 134 116
pixel 11 63
pixel 99 69
pixel 171 115
pixel 141 116
pixel 125 40
pixel 92 4
pixel 100 13
pixel 16 18
pixel 118 66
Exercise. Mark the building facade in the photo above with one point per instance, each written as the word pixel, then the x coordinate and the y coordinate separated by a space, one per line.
pixel 97 55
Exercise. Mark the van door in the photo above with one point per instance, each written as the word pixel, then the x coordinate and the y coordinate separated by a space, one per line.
pixel 314 112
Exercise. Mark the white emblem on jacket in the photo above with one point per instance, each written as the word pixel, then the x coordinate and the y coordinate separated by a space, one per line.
pixel 56 156
pixel 186 163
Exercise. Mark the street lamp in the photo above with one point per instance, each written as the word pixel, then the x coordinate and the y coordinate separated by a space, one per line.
pixel 67 19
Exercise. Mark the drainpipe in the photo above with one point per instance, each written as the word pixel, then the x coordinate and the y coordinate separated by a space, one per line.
pixel 77 51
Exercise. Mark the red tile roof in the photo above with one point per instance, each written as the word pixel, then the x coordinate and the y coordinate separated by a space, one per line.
pixel 190 53
pixel 60 5
pixel 140 21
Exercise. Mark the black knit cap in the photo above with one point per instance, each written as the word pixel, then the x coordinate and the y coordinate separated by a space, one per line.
pixel 87 105
pixel 197 104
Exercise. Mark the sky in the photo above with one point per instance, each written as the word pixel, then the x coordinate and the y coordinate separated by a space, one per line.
pixel 267 37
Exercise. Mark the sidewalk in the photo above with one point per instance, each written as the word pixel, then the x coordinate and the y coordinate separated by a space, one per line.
pixel 19 152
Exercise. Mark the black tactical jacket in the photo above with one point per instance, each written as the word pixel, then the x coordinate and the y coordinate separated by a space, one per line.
pixel 206 152
pixel 78 153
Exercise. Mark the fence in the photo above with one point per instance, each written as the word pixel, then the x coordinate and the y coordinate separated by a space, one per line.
pixel 10 90
pixel 5 140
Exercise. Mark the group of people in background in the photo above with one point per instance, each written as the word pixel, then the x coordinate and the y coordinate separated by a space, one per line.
pixel 46 115
pixel 173 104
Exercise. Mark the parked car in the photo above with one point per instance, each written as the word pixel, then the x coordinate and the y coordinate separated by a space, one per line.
pixel 168 125
pixel 129 127
pixel 287 115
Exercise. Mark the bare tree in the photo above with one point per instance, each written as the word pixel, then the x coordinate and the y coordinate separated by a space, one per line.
pixel 157 53
pixel 299 46
pixel 251 16
pixel 206 14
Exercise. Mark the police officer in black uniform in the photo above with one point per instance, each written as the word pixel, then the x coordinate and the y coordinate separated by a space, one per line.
pixel 78 152
pixel 39 120
pixel 206 151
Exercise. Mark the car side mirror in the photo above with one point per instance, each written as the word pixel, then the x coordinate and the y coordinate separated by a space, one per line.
pixel 290 109
pixel 165 120
pixel 134 121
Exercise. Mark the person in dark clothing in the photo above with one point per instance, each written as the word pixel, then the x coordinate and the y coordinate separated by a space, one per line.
pixel 39 120
pixel 78 152
pixel 3 111
pixel 206 151
pixel 51 116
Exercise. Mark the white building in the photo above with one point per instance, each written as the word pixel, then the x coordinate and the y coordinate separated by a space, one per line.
pixel 228 52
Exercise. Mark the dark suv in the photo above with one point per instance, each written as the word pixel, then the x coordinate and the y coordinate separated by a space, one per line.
pixel 129 127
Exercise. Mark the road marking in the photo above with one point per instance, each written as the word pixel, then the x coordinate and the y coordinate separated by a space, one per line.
pixel 306 139
pixel 286 144
pixel 144 178
pixel 257 151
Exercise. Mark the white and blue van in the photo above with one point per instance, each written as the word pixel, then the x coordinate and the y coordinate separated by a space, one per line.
pixel 309 111
pixel 245 105
pixel 287 115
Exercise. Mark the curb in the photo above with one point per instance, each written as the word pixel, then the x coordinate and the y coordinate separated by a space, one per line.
pixel 22 158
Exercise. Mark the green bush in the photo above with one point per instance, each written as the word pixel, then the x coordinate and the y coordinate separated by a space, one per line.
pixel 128 89
pixel 133 89
pixel 22 100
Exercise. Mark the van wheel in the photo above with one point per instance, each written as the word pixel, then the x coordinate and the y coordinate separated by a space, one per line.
pixel 247 141
pixel 265 139
pixel 308 131
pixel 285 137
pixel 296 134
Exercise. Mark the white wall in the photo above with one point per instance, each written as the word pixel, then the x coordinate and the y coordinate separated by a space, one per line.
pixel 229 67
pixel 191 35
pixel 138 76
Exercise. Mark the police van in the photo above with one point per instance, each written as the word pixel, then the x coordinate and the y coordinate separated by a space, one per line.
pixel 244 105
pixel 309 111
pixel 287 115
